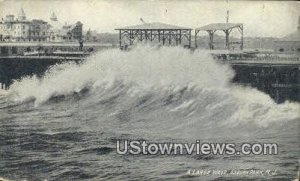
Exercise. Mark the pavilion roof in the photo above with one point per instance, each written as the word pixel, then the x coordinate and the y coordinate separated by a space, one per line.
pixel 219 26
pixel 153 26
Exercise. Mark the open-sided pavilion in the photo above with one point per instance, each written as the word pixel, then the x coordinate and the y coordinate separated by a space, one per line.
pixel 159 32
pixel 226 28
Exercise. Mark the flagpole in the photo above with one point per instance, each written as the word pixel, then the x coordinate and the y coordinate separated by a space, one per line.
pixel 227 15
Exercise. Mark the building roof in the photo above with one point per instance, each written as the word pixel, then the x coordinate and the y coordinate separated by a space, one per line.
pixel 153 26
pixel 219 26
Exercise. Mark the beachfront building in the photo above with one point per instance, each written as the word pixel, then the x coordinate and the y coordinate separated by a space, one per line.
pixel 14 29
pixel 38 30
pixel 289 44
pixel 19 29
pixel 63 33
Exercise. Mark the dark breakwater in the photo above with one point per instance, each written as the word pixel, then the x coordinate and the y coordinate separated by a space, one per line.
pixel 281 82
pixel 14 68
pixel 14 65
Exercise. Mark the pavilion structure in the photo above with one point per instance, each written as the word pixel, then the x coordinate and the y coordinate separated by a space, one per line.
pixel 162 33
pixel 226 28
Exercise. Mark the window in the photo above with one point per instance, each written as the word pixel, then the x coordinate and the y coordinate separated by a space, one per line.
pixel 298 49
pixel 14 50
pixel 281 50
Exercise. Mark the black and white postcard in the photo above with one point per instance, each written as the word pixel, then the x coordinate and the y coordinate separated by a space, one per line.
pixel 149 90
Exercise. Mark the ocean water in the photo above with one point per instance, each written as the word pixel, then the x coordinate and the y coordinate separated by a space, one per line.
pixel 65 125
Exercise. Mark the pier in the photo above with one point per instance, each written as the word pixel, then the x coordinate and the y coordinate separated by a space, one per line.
pixel 19 49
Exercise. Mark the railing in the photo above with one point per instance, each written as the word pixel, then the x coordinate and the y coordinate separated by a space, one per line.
pixel 265 58
pixel 42 57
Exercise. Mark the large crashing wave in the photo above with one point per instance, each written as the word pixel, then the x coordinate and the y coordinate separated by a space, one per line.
pixel 171 80
pixel 143 67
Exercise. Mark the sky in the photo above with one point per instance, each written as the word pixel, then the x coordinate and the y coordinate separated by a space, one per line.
pixel 260 18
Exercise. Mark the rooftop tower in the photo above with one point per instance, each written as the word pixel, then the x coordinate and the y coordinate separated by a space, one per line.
pixel 21 15
pixel 53 17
